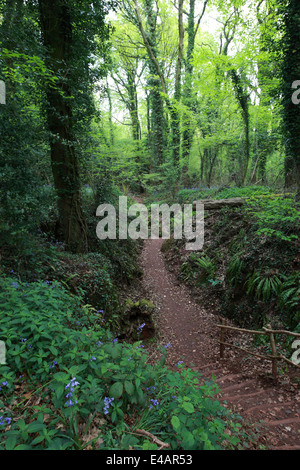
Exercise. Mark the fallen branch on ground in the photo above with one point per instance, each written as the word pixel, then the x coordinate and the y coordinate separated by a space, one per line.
pixel 142 432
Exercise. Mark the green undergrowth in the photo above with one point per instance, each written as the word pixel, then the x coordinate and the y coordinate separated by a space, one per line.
pixel 188 195
pixel 249 261
pixel 68 383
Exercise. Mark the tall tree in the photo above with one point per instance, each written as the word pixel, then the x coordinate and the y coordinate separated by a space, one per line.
pixel 239 82
pixel 22 149
pixel 175 115
pixel 57 32
pixel 189 95
pixel 290 76
pixel 155 81
pixel 68 31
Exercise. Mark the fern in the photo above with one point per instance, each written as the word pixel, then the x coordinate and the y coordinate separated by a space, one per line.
pixel 200 267
pixel 234 269
pixel 290 292
pixel 186 271
pixel 263 286
pixel 207 269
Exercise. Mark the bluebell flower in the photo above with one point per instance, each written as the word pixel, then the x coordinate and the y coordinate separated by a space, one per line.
pixel 8 420
pixel 154 403
pixel 107 402
pixel 71 386
pixel 3 384
pixel 140 328
pixel 69 403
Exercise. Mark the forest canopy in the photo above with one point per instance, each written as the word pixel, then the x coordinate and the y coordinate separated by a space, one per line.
pixel 151 101
pixel 144 95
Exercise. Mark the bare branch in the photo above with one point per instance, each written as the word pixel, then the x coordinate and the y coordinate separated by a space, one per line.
pixel 149 48
pixel 200 18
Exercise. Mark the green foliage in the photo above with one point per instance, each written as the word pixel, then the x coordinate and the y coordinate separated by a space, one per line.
pixel 38 324
pixel 246 191
pixel 194 420
pixel 91 275
pixel 83 382
pixel 275 217
pixel 26 198
pixel 255 246
pixel 198 268
pixel 234 269
pixel 289 298
pixel 188 195
pixel 264 285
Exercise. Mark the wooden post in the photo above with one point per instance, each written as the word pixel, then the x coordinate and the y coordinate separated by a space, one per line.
pixel 274 353
pixel 222 345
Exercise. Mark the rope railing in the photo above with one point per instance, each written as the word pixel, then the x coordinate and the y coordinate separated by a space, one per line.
pixel 266 331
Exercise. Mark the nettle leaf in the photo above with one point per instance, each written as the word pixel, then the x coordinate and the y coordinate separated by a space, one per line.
pixel 175 423
pixel 116 390
pixel 129 387
pixel 116 351
pixel 188 440
pixel 35 427
pixel 189 407
pixel 10 442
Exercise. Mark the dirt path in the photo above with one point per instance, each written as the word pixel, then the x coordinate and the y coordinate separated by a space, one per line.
pixel 193 334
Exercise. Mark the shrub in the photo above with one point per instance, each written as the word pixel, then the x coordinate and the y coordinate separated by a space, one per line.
pixel 276 218
pixel 199 268
pixel 86 389
pixel 264 285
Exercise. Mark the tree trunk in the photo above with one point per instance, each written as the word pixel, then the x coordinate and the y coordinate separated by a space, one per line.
pixel 243 99
pixel 56 30
pixel 133 107
pixel 175 117
pixel 188 99
pixel 291 74
pixel 156 84
pixel 189 96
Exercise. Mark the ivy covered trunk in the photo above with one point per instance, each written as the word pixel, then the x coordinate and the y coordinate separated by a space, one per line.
pixel 56 29
pixel 157 116
pixel 188 98
pixel 291 111
pixel 133 106
pixel 175 116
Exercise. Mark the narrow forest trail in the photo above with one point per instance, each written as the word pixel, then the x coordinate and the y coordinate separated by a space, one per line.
pixel 193 335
